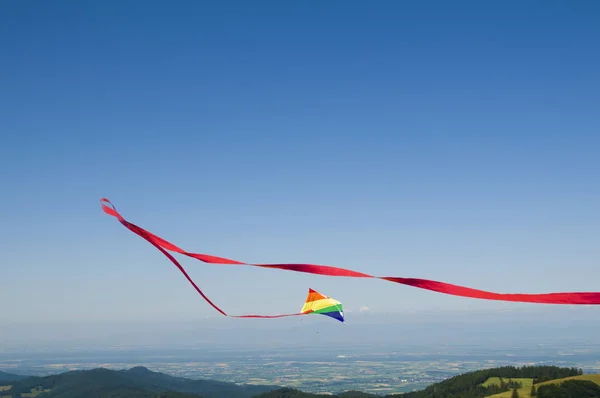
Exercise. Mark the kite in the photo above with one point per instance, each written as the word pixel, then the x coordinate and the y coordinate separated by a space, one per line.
pixel 316 303
pixel 578 298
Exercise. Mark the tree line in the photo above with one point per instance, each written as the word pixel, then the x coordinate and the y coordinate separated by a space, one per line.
pixel 569 388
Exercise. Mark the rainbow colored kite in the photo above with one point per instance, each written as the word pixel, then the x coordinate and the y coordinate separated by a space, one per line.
pixel 320 304
pixel 317 303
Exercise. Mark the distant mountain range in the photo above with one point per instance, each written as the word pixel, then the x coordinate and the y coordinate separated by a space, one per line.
pixel 137 382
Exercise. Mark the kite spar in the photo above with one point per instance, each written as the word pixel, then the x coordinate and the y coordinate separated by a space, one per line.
pixel 579 298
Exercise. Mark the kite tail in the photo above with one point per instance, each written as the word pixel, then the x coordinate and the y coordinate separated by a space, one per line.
pixel 592 298
pixel 161 245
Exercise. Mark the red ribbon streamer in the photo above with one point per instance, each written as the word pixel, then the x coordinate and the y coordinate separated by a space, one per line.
pixel 441 287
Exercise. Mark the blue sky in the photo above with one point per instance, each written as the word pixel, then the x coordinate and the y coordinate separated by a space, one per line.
pixel 456 141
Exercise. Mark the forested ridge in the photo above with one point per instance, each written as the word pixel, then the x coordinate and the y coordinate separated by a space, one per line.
pixel 469 385
pixel 135 382
pixel 569 389
pixel 7 377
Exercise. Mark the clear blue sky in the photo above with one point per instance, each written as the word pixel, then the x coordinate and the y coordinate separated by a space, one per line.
pixel 457 141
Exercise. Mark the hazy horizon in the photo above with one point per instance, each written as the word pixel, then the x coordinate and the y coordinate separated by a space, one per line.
pixel 436 328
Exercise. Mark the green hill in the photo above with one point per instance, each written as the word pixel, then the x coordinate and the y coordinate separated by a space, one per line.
pixel 486 382
pixel 576 388
pixel 525 391
pixel 138 381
